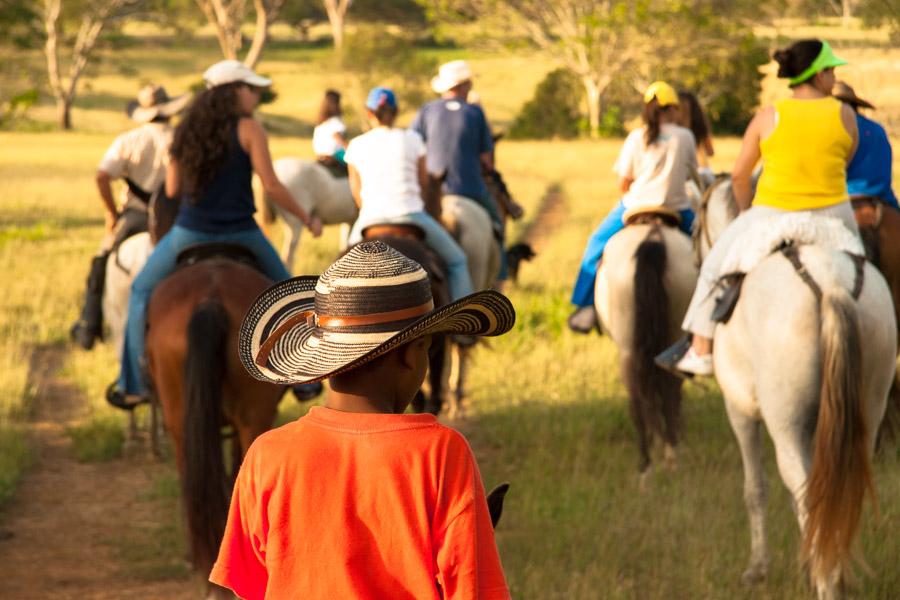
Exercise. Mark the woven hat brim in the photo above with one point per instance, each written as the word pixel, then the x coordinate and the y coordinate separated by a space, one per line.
pixel 302 357
pixel 145 114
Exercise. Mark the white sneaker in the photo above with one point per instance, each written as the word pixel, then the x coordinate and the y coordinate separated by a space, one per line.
pixel 695 363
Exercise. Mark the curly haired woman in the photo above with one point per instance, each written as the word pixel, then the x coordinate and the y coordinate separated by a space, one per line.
pixel 217 148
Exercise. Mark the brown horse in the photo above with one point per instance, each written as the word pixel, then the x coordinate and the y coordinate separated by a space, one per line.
pixel 409 240
pixel 192 360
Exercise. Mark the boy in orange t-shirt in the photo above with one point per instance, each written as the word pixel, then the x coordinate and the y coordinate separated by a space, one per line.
pixel 358 500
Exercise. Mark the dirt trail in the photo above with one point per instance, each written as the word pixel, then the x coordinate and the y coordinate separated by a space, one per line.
pixel 56 536
pixel 551 213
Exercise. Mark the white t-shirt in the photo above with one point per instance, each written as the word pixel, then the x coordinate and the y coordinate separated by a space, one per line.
pixel 323 140
pixel 658 171
pixel 387 162
pixel 141 155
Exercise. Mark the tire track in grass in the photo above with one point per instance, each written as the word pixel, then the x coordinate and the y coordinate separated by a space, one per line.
pixel 69 521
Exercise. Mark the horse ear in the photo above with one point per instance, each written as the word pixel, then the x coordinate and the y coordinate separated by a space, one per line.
pixel 498 136
pixel 495 502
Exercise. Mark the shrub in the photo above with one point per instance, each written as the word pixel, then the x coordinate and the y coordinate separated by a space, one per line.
pixel 554 111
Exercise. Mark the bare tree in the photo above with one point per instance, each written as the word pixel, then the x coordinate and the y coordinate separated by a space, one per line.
pixel 227 16
pixel 337 12
pixel 94 17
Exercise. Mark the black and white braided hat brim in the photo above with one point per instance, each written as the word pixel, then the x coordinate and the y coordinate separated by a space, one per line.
pixel 305 355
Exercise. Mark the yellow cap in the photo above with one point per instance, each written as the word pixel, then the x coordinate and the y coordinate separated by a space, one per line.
pixel 664 93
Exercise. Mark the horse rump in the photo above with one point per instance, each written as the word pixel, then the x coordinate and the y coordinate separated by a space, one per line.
pixel 205 484
pixel 655 398
pixel 841 472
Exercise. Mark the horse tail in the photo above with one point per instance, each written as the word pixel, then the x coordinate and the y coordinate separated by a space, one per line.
pixel 841 470
pixel 205 486
pixel 654 391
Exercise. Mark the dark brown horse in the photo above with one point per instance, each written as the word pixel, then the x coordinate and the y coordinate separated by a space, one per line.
pixel 879 227
pixel 409 240
pixel 192 360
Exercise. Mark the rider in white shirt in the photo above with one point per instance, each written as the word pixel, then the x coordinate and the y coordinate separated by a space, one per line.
pixel 387 175
pixel 328 136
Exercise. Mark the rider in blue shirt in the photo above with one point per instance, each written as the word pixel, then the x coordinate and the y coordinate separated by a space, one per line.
pixel 869 173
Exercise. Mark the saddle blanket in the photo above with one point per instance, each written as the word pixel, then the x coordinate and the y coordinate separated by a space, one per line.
pixel 764 236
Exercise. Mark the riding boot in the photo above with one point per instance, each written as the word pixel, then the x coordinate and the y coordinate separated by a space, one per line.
pixel 90 325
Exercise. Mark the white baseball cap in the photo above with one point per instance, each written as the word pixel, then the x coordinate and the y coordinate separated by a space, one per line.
pixel 450 75
pixel 229 71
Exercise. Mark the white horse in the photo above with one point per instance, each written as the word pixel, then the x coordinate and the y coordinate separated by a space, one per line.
pixel 816 370
pixel 318 192
pixel 643 288
pixel 471 226
pixel 121 268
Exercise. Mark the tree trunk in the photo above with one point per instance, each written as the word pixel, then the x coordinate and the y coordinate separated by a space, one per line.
pixel 593 93
pixel 847 12
pixel 337 11
pixel 260 35
pixel 64 113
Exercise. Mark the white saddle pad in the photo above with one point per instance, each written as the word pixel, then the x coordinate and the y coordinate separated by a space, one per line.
pixel 764 236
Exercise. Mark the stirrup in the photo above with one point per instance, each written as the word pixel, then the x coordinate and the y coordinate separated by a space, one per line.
pixel 667 360
pixel 119 399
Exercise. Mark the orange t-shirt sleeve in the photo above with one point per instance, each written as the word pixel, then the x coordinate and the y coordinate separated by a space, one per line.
pixel 241 565
pixel 468 563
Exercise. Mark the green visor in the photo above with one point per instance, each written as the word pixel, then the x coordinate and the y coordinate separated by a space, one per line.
pixel 824 60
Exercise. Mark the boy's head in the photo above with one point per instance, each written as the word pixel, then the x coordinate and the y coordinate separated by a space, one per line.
pixel 395 376
pixel 373 303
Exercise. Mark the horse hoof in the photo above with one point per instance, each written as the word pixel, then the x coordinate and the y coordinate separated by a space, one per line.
pixel 644 480
pixel 753 575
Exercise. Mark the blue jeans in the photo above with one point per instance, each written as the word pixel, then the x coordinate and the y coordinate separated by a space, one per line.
pixel 438 239
pixel 159 265
pixel 583 294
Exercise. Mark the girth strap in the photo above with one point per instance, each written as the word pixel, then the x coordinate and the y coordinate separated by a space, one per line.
pixel 792 253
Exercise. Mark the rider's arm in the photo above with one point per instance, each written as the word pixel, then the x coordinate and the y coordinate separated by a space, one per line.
pixel 253 140
pixel 625 184
pixel 105 189
pixel 848 118
pixel 747 159
pixel 173 179
pixel 355 184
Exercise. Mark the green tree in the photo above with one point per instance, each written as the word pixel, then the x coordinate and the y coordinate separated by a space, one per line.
pixel 603 41
pixel 554 111
pixel 878 13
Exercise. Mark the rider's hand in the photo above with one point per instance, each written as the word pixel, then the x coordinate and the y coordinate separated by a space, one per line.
pixel 315 226
pixel 110 221
pixel 515 210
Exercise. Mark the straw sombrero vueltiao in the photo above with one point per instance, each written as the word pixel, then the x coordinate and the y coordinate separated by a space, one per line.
pixel 366 304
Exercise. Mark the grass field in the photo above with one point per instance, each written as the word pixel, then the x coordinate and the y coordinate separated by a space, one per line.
pixel 549 411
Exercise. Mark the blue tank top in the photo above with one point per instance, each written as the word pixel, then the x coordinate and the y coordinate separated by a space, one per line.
pixel 227 202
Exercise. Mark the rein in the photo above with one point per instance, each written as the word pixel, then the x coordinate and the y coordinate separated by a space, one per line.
pixel 792 253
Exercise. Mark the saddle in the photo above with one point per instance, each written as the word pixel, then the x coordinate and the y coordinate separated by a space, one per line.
pixel 196 253
pixel 337 168
pixel 395 230
pixel 651 215
pixel 784 234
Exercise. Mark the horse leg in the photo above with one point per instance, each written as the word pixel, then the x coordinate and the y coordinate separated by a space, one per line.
pixel 292 231
pixel 747 431
pixel 461 393
pixel 454 381
pixel 344 237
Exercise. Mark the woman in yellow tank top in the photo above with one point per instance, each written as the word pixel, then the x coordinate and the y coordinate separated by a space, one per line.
pixel 805 142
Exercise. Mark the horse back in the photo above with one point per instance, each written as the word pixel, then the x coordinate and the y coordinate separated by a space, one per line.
pixel 615 286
